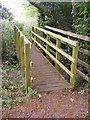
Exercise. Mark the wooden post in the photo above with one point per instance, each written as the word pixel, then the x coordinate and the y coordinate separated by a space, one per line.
pixel 27 65
pixel 41 42
pixel 15 35
pixel 22 55
pixel 36 37
pixel 74 65
pixel 32 34
pixel 18 35
pixel 18 44
pixel 47 46
pixel 57 53
pixel 20 49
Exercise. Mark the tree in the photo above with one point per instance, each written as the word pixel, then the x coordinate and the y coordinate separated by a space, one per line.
pixel 37 5
pixel 81 22
pixel 5 13
pixel 61 14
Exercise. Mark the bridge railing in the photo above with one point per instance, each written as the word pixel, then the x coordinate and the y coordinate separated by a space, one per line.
pixel 22 45
pixel 83 51
pixel 38 38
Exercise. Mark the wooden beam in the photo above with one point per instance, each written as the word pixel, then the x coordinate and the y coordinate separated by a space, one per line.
pixel 83 75
pixel 57 53
pixel 84 51
pixel 63 39
pixel 74 65
pixel 68 33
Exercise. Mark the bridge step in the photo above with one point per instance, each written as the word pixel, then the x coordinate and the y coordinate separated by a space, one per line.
pixel 47 77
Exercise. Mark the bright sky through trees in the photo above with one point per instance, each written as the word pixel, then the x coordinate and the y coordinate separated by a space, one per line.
pixel 15 6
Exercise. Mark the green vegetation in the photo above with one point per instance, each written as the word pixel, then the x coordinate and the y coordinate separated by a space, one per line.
pixel 82 18
pixel 61 14
pixel 13 85
pixel 63 18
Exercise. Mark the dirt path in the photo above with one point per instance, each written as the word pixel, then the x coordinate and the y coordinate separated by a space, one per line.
pixel 56 104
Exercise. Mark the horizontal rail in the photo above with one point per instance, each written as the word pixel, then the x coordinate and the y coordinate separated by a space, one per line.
pixel 60 64
pixel 21 34
pixel 66 40
pixel 74 35
pixel 84 64
pixel 57 49
pixel 84 51
pixel 83 75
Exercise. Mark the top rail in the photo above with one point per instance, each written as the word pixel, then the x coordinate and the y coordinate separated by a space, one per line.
pixel 70 42
pixel 82 37
pixel 21 34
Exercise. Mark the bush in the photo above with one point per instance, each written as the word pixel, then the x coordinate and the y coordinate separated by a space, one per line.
pixel 8 47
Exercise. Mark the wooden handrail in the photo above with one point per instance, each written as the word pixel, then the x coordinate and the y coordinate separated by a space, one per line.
pixel 68 33
pixel 82 50
pixel 38 39
pixel 23 52
pixel 57 49
pixel 66 40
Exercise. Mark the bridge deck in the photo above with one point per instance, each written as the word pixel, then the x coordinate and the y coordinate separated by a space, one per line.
pixel 47 78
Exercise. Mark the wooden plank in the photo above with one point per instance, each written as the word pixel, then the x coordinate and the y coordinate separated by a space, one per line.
pixel 66 40
pixel 52 85
pixel 83 75
pixel 74 65
pixel 27 65
pixel 51 75
pixel 60 64
pixel 84 64
pixel 74 35
pixel 57 53
pixel 53 88
pixel 84 51
pixel 57 49
pixel 47 46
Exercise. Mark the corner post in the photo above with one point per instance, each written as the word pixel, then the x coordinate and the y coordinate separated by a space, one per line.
pixel 74 65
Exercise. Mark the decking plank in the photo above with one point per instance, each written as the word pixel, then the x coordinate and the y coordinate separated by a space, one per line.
pixel 47 76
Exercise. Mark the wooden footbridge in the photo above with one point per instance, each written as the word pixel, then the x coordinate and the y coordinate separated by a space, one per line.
pixel 46 77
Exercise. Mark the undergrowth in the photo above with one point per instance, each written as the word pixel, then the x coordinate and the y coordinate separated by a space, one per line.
pixel 13 86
